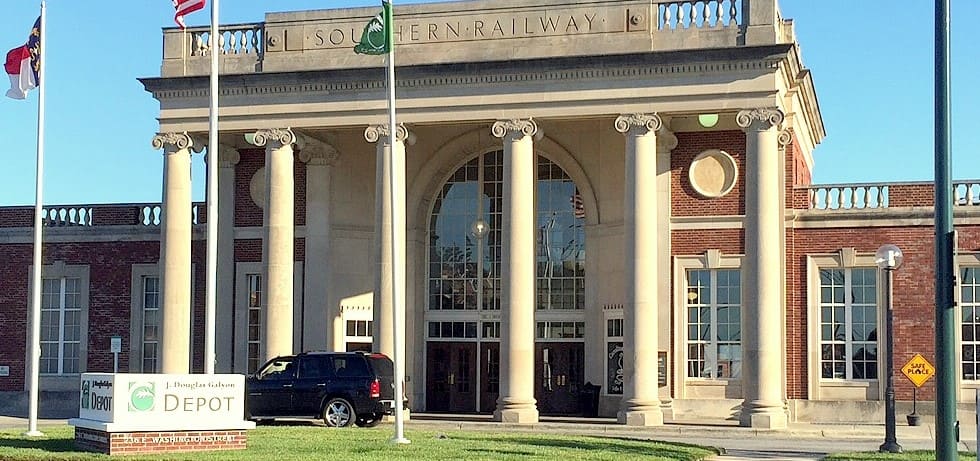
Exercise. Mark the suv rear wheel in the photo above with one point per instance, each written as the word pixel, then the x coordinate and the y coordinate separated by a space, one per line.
pixel 338 413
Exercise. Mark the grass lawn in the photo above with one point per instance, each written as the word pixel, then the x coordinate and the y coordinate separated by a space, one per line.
pixel 284 443
pixel 916 455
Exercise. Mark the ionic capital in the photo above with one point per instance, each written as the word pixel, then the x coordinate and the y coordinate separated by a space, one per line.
pixel 515 128
pixel 375 133
pixel 666 140
pixel 282 136
pixel 760 119
pixel 228 156
pixel 316 152
pixel 785 137
pixel 172 142
pixel 641 123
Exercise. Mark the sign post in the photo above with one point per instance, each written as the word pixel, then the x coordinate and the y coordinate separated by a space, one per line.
pixel 115 346
pixel 918 370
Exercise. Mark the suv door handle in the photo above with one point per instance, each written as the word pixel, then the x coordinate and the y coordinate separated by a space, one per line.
pixel 321 385
pixel 287 385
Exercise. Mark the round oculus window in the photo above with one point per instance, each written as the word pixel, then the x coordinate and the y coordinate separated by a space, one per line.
pixel 713 173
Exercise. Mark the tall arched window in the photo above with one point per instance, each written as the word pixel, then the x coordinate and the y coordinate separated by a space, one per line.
pixel 457 253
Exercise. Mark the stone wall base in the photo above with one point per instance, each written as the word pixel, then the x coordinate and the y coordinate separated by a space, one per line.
pixel 128 443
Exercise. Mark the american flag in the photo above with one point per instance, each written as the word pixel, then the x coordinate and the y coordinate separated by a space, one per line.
pixel 185 7
pixel 578 206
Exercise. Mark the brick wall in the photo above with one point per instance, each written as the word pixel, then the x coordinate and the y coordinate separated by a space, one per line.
pixel 687 202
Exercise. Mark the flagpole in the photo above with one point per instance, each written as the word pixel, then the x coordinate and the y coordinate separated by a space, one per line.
pixel 212 199
pixel 397 192
pixel 35 320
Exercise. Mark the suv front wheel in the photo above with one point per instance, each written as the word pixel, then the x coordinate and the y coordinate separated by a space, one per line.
pixel 338 413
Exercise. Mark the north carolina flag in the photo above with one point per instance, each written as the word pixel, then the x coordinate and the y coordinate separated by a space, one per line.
pixel 185 7
pixel 23 64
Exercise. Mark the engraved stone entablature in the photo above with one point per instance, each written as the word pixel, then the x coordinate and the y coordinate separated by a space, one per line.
pixel 760 119
pixel 375 133
pixel 516 128
pixel 177 141
pixel 644 122
pixel 316 152
pixel 228 156
pixel 283 136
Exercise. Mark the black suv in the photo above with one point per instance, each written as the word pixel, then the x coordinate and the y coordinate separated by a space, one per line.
pixel 342 388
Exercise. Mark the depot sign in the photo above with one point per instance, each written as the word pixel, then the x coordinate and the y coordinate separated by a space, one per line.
pixel 153 402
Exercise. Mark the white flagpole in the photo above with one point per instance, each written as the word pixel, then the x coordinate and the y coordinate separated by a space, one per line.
pixel 397 191
pixel 35 318
pixel 212 199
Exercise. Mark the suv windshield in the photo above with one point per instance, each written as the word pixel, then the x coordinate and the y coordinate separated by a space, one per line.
pixel 277 369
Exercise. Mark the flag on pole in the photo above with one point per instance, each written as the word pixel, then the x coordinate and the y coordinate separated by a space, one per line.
pixel 23 64
pixel 185 7
pixel 374 39
pixel 578 206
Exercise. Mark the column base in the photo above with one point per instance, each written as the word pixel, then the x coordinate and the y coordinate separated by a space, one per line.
pixel 667 409
pixel 516 413
pixel 641 413
pixel 763 416
pixel 406 416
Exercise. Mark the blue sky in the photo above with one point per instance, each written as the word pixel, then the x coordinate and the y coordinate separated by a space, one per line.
pixel 872 63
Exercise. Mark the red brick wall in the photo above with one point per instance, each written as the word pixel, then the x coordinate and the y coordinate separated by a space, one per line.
pixel 914 296
pixel 247 213
pixel 687 202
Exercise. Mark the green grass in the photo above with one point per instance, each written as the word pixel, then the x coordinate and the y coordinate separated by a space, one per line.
pixel 915 455
pixel 284 443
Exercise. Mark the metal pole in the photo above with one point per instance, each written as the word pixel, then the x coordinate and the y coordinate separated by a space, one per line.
pixel 891 442
pixel 212 200
pixel 945 320
pixel 35 321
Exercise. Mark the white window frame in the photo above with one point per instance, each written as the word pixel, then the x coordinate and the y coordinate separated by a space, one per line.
pixel 60 270
pixel 820 388
pixel 139 273
pixel 692 387
pixel 965 389
pixel 240 349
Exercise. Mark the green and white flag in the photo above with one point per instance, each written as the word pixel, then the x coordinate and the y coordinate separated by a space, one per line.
pixel 376 38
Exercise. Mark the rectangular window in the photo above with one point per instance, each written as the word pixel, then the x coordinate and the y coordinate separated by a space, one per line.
pixel 491 329
pixel 360 328
pixel 849 323
pixel 452 329
pixel 61 315
pixel 614 328
pixel 714 323
pixel 970 341
pixel 151 323
pixel 560 330
pixel 254 321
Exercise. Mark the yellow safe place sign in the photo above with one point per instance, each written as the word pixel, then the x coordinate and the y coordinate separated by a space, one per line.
pixel 918 370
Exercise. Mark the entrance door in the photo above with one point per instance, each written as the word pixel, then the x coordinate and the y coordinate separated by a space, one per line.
pixel 489 376
pixel 451 377
pixel 558 377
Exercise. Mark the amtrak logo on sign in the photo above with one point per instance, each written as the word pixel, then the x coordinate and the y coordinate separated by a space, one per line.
pixel 142 396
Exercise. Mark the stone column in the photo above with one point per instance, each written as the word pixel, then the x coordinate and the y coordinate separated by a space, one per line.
pixel 228 157
pixel 666 143
pixel 319 315
pixel 516 403
pixel 278 245
pixel 762 302
pixel 175 252
pixel 640 405
pixel 384 231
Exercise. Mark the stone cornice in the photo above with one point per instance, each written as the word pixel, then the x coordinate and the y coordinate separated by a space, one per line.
pixel 611 67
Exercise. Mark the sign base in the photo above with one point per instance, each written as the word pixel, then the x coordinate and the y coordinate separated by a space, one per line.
pixel 129 443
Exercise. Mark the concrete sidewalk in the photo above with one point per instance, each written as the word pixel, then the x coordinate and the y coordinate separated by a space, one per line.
pixel 801 441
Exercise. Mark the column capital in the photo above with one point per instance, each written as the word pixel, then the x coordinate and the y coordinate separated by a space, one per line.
pixel 316 152
pixel 759 119
pixel 283 136
pixel 666 140
pixel 375 133
pixel 785 137
pixel 176 141
pixel 648 122
pixel 228 156
pixel 514 127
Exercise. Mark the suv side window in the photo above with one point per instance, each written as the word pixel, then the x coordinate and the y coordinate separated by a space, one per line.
pixel 350 366
pixel 278 369
pixel 314 367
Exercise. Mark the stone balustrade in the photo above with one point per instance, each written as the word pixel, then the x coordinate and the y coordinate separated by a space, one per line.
pixel 134 214
pixel 881 195
pixel 698 14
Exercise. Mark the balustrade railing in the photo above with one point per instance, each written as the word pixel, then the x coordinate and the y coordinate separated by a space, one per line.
pixel 130 214
pixel 241 39
pixel 886 195
pixel 67 215
pixel 698 14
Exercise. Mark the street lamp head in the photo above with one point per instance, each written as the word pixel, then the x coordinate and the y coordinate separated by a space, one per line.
pixel 888 257
pixel 479 228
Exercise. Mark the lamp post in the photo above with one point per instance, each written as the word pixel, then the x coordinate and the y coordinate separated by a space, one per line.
pixel 479 230
pixel 888 258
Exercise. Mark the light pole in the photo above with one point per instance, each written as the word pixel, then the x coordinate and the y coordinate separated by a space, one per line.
pixel 888 258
